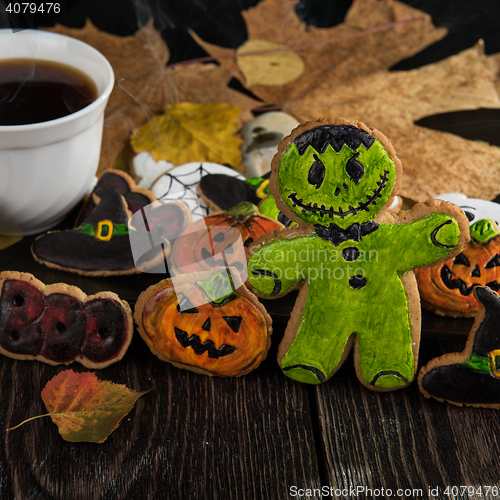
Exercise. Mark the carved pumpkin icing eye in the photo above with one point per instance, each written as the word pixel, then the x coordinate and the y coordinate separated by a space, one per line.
pixel 355 169
pixel 226 333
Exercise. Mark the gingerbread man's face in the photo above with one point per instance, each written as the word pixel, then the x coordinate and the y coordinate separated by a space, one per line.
pixel 336 174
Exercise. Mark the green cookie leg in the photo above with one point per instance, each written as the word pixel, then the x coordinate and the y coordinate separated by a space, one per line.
pixel 385 349
pixel 318 346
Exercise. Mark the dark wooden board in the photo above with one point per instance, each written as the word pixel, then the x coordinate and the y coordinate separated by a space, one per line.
pixel 401 440
pixel 189 437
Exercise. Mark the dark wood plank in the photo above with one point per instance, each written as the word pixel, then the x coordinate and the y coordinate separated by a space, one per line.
pixel 401 440
pixel 191 436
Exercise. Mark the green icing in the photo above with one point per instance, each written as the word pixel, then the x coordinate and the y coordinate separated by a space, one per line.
pixel 254 182
pixel 478 363
pixel 377 312
pixel 268 207
pixel 90 229
pixel 219 287
pixel 243 210
pixel 353 287
pixel 483 231
pixel 338 192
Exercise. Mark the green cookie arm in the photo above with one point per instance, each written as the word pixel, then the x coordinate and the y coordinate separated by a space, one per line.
pixel 276 268
pixel 424 241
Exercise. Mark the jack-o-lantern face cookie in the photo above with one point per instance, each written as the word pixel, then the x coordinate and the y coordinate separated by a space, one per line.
pixel 205 323
pixel 447 288
pixel 351 260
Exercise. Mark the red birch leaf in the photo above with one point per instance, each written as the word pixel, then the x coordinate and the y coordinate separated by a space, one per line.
pixel 84 407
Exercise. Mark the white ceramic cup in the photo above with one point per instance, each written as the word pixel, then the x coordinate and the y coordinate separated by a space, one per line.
pixel 47 167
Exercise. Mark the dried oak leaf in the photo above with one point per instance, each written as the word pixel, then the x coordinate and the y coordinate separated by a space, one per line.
pixel 84 407
pixel 188 132
pixel 351 78
pixel 144 85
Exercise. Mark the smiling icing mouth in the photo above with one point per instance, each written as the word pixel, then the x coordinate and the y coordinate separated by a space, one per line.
pixel 452 283
pixel 341 213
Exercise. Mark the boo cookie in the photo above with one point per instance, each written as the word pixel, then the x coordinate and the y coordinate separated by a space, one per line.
pixel 351 260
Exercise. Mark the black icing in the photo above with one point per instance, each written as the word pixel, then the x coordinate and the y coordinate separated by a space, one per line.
pixel 351 253
pixel 277 281
pixel 364 205
pixel 321 376
pixel 493 262
pixel 355 169
pixel 462 384
pixel 336 235
pixel 462 260
pixel 316 173
pixel 226 191
pixel 487 337
pixel 334 135
pixel 234 322
pixel 357 281
pixel 72 249
pixel 388 372
pixel 433 236
pixel 208 346
pixel 452 283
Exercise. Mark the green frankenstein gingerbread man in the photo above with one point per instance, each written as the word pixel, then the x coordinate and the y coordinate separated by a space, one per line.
pixel 351 260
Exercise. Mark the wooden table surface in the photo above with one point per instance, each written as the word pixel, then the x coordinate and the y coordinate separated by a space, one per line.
pixel 262 436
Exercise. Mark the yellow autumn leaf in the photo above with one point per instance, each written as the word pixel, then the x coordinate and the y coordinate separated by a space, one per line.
pixel 272 66
pixel 8 241
pixel 189 132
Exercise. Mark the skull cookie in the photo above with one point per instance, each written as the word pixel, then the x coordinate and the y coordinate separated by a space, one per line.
pixel 351 260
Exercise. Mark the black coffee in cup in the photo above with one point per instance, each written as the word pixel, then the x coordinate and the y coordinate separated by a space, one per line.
pixel 34 91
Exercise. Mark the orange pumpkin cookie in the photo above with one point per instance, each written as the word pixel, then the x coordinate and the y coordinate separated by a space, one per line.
pixel 206 322
pixel 447 288
pixel 213 241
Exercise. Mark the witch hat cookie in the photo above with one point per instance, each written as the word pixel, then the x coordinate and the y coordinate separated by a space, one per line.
pixel 100 246
pixel 116 181
pixel 471 377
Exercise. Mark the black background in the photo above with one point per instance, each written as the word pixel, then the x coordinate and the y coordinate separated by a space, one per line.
pixel 220 22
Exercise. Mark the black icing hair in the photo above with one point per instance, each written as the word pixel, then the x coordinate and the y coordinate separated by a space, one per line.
pixel 335 135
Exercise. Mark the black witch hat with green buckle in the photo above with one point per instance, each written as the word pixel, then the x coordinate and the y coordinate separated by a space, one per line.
pixel 474 380
pixel 100 245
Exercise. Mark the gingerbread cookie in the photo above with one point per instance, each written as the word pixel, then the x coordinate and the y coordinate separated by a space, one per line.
pixel 221 192
pixel 116 181
pixel 60 324
pixel 205 322
pixel 220 239
pixel 351 260
pixel 446 288
pixel 471 377
pixel 101 245
pixel 179 184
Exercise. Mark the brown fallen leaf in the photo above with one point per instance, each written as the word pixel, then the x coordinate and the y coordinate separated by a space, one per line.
pixel 188 132
pixel 84 407
pixel 144 84
pixel 350 78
